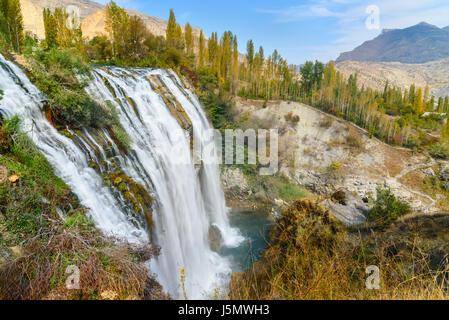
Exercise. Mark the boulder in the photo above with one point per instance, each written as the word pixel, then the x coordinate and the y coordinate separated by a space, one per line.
pixel 280 203
pixel 233 177
pixel 428 172
pixel 214 238
pixel 444 173
pixel 347 207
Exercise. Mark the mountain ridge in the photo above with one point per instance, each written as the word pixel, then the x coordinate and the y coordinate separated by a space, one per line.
pixel 92 17
pixel 417 44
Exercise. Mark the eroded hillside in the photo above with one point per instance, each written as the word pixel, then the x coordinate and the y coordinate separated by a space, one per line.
pixel 325 154
pixel 376 74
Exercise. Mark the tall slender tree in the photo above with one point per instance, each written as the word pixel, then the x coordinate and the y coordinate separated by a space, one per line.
pixel 188 38
pixel 201 50
pixel 171 27
pixel 51 28
pixel 12 18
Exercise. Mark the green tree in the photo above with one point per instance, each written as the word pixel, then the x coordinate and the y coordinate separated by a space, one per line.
pixel 116 24
pixel 12 27
pixel 201 50
pixel 188 38
pixel 135 38
pixel 171 27
pixel 51 29
pixel 250 53
pixel 307 77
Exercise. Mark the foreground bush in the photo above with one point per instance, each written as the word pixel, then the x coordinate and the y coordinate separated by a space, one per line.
pixel 312 256
pixel 387 208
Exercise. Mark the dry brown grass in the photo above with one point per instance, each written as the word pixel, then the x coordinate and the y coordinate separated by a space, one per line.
pixel 312 257
pixel 105 266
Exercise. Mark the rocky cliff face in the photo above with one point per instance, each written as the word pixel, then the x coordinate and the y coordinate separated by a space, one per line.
pixel 417 44
pixel 92 16
pixel 326 154
pixel 32 18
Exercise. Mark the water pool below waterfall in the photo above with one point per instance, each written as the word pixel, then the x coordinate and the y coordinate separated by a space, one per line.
pixel 254 226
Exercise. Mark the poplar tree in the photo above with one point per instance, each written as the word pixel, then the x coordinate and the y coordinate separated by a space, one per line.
pixel 51 28
pixel 440 107
pixel 418 103
pixel 201 49
pixel 16 22
pixel 135 37
pixel 188 38
pixel 63 34
pixel 250 53
pixel 235 59
pixel 12 25
pixel 171 27
pixel 116 24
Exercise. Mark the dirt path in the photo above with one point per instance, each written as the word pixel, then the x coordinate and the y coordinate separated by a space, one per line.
pixel 417 167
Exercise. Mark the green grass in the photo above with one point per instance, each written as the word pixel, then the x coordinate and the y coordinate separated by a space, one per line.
pixel 292 192
pixel 275 187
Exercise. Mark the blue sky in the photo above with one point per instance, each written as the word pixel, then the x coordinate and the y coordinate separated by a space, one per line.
pixel 299 30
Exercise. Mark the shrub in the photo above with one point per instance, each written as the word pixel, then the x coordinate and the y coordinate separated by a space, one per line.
pixel 387 208
pixel 55 73
pixel 439 151
pixel 290 117
pixel 326 123
pixel 218 110
pixel 335 166
pixel 353 140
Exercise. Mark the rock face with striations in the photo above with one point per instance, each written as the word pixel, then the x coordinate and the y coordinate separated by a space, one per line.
pixel 417 44
pixel 92 16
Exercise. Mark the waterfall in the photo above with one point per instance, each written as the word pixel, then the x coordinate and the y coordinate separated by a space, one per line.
pixel 161 117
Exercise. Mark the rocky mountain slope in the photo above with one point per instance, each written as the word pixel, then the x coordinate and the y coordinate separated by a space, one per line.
pixel 326 154
pixel 417 44
pixel 92 16
pixel 375 74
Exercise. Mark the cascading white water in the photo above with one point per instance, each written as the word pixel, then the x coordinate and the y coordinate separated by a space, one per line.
pixel 187 203
pixel 21 97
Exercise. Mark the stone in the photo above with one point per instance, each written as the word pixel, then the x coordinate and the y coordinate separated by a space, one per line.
pixel 428 172
pixel 444 173
pixel 347 207
pixel 233 177
pixel 280 203
pixel 215 238
pixel 261 196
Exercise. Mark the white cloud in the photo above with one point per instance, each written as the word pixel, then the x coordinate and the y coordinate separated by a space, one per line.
pixel 348 24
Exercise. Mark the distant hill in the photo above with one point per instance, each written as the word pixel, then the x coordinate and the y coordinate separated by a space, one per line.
pixel 417 44
pixel 375 74
pixel 92 16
